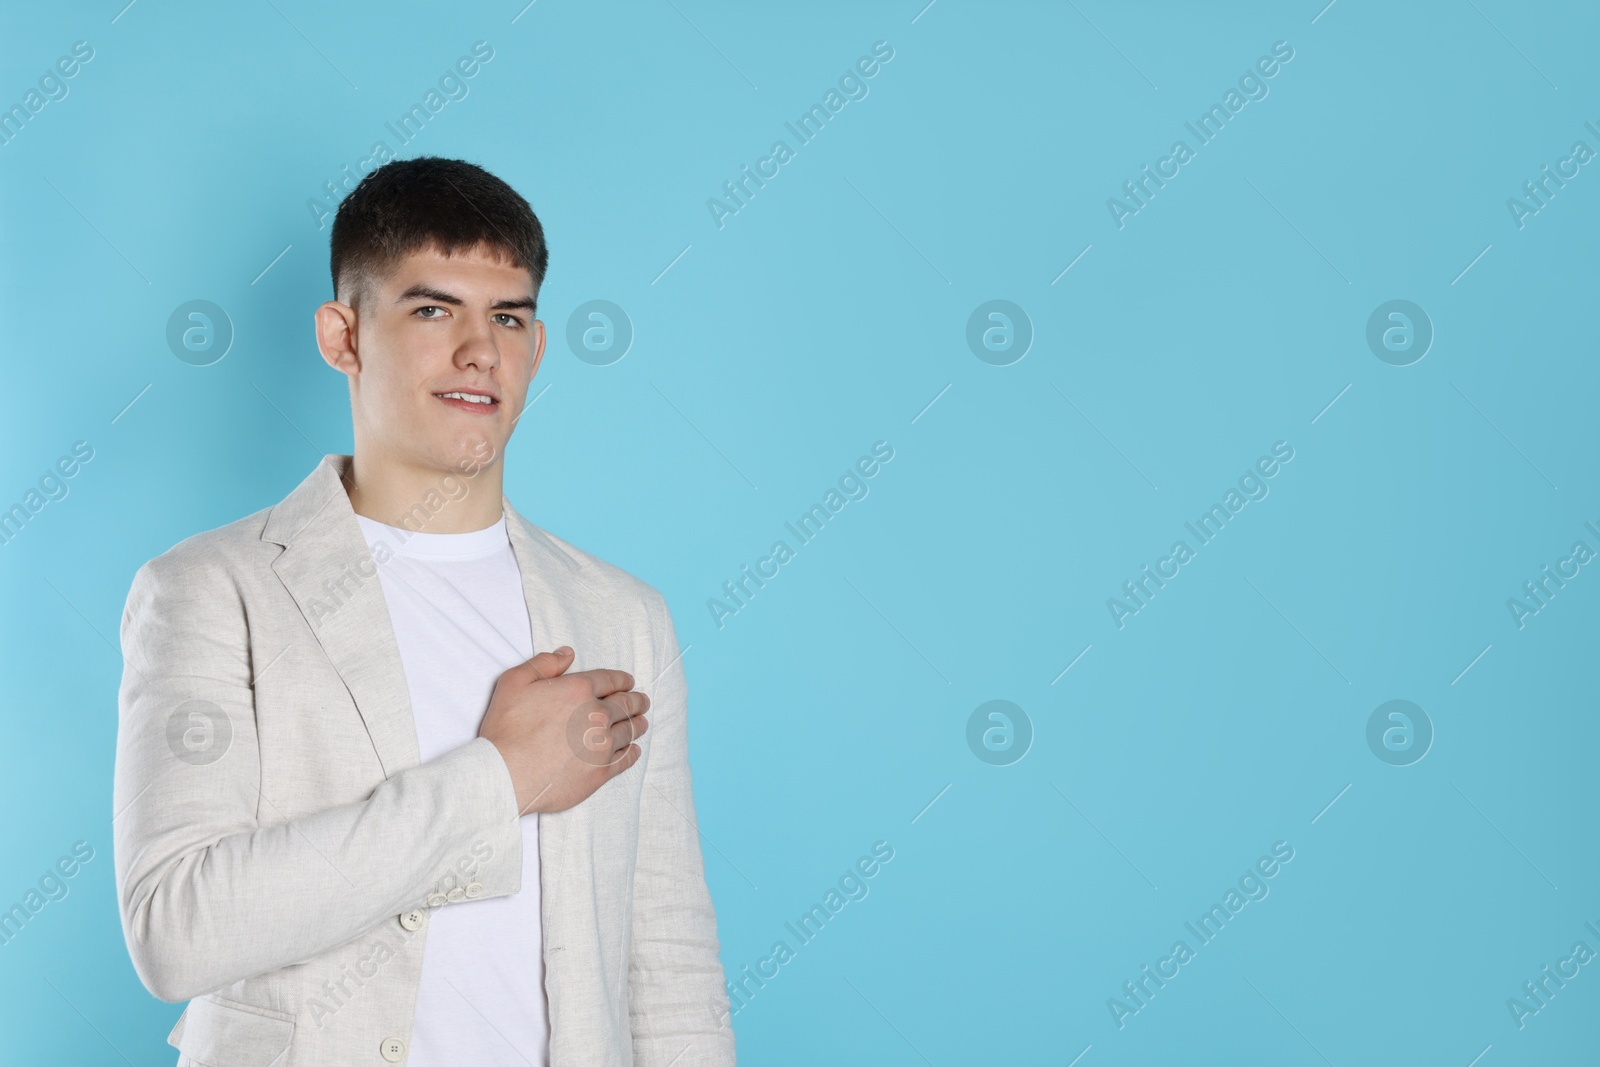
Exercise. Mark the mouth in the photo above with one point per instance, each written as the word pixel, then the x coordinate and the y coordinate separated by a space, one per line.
pixel 470 402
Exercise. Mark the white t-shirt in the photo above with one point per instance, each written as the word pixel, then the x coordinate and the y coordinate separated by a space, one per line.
pixel 460 620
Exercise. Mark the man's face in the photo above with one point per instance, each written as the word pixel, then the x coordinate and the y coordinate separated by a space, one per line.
pixel 437 325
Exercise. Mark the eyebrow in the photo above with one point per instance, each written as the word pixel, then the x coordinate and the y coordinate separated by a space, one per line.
pixel 428 292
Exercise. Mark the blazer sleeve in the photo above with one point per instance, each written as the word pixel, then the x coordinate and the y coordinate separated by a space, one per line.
pixel 678 1003
pixel 213 884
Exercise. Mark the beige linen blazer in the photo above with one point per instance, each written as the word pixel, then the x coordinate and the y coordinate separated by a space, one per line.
pixel 279 847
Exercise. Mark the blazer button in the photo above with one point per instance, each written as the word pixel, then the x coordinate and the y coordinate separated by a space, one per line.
pixel 456 895
pixel 437 900
pixel 393 1049
pixel 413 919
pixel 474 890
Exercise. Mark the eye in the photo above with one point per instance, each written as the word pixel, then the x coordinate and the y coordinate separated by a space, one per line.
pixel 430 307
pixel 515 322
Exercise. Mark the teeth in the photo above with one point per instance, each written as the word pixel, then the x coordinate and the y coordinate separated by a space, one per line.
pixel 472 398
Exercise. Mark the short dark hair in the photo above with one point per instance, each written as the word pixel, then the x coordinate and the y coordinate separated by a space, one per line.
pixel 447 204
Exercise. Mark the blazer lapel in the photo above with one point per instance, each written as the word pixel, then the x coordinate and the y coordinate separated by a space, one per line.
pixel 549 580
pixel 327 569
pixel 564 611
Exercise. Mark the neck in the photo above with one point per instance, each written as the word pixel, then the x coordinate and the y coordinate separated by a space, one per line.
pixel 426 499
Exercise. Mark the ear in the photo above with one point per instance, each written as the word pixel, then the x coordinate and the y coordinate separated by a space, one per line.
pixel 538 347
pixel 335 325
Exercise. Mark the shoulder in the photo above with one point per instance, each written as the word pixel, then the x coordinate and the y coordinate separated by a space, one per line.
pixel 225 556
pixel 191 604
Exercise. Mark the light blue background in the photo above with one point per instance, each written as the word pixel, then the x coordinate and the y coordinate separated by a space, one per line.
pixel 828 314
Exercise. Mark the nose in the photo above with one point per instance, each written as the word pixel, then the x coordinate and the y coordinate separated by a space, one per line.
pixel 478 350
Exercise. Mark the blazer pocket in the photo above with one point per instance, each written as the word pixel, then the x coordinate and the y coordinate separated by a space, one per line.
pixel 226 1033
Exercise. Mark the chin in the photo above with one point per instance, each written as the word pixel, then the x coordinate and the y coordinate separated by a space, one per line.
pixel 470 456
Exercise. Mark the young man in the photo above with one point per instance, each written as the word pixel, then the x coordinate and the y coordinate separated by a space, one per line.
pixel 358 820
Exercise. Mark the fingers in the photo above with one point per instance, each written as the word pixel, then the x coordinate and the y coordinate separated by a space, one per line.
pixel 607 681
pixel 622 705
pixel 627 731
pixel 549 664
pixel 625 759
pixel 627 722
pixel 602 681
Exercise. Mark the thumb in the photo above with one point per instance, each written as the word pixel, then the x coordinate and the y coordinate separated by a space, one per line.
pixel 550 664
